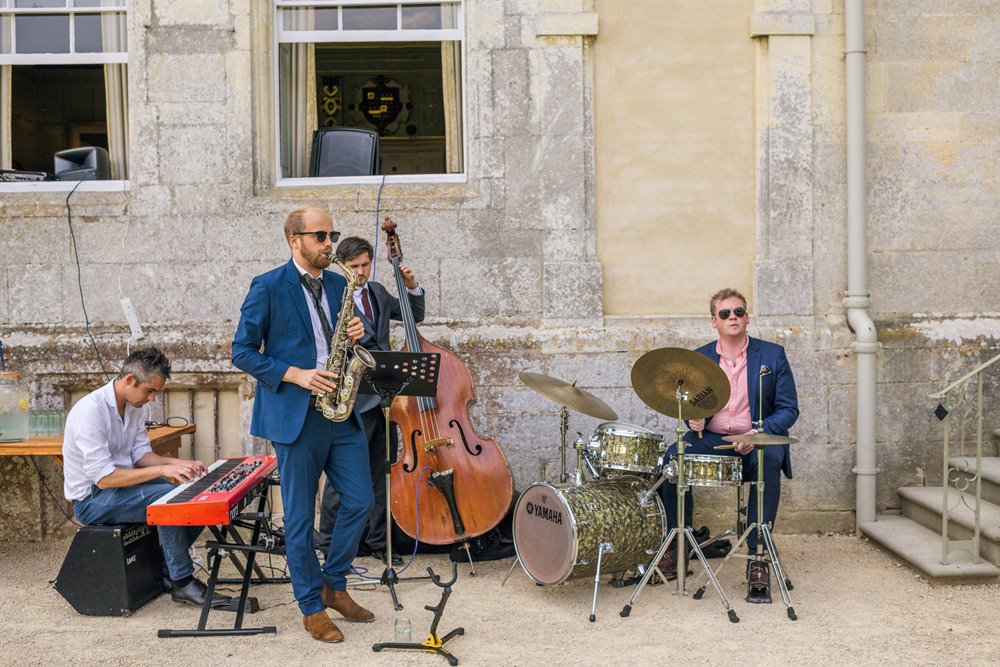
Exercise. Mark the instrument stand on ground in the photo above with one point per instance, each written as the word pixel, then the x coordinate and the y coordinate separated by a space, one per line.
pixel 765 552
pixel 260 542
pixel 433 643
pixel 683 534
pixel 396 374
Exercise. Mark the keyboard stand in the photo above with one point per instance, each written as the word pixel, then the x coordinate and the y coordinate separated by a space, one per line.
pixel 225 544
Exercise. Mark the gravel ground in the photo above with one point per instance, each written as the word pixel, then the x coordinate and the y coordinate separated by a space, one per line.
pixel 855 605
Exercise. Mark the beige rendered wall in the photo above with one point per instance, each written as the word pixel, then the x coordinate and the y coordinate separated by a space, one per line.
pixel 674 144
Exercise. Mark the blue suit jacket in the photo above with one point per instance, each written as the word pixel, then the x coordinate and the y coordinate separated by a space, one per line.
pixel 275 332
pixel 779 404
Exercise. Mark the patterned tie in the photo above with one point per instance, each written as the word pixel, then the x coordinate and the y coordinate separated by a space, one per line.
pixel 367 305
pixel 315 287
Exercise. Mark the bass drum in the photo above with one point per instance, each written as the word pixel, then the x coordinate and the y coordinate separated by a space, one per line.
pixel 558 531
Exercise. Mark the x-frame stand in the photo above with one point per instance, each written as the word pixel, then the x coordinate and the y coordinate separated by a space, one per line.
pixel 219 548
pixel 682 532
pixel 396 374
pixel 765 543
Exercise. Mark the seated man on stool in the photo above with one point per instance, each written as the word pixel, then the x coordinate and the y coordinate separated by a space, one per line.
pixel 112 473
pixel 746 362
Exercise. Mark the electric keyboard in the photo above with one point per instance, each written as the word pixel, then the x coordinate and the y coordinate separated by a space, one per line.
pixel 217 497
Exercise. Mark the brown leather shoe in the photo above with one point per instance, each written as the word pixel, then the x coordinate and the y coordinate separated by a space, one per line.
pixel 351 611
pixel 322 628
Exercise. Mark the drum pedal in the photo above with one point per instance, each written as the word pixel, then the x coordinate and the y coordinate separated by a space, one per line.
pixel 759 584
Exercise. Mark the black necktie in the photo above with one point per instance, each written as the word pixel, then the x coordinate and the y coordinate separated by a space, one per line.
pixel 315 287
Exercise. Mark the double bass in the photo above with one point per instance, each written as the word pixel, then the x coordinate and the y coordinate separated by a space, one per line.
pixel 449 484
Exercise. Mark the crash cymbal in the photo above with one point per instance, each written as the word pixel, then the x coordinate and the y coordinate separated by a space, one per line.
pixel 569 395
pixel 757 439
pixel 657 374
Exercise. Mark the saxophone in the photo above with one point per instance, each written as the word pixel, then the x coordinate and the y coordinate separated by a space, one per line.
pixel 337 405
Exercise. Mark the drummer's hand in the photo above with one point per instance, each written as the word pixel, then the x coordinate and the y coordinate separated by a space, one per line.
pixel 697 425
pixel 745 447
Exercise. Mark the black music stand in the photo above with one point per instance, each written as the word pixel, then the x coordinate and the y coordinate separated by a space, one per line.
pixel 397 374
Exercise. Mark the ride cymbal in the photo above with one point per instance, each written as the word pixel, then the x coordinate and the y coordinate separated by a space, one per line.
pixel 659 374
pixel 568 395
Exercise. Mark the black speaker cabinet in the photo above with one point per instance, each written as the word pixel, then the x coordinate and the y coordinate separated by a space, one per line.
pixel 344 151
pixel 111 570
pixel 89 163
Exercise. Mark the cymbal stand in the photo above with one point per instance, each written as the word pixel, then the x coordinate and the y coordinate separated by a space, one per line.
pixel 765 552
pixel 682 532
pixel 563 427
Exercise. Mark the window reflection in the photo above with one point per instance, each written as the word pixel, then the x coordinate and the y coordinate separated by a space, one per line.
pixel 42 34
pixel 88 33
pixel 369 18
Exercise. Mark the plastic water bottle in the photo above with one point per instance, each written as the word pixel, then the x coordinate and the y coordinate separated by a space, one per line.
pixel 403 630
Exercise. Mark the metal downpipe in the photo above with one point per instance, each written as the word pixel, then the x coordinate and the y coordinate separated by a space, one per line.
pixel 858 300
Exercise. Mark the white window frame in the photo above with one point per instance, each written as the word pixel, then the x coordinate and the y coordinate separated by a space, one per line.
pixel 282 36
pixel 91 58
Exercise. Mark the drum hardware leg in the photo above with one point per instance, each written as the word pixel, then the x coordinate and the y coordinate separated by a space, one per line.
pixel 606 547
pixel 563 427
pixel 580 446
pixel 517 561
pixel 433 643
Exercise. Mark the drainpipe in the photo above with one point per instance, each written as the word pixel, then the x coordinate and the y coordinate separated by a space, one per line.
pixel 858 300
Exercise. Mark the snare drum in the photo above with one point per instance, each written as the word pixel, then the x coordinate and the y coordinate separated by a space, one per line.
pixel 707 470
pixel 628 448
pixel 558 531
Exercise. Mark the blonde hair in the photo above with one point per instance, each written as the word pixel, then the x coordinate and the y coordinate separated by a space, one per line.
pixel 725 293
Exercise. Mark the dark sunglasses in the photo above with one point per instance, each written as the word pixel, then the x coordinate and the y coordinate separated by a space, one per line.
pixel 739 312
pixel 321 236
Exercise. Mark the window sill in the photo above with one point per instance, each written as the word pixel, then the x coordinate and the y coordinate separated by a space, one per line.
pixel 64 186
pixel 422 179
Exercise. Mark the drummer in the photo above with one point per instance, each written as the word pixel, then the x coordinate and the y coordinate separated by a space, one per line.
pixel 746 362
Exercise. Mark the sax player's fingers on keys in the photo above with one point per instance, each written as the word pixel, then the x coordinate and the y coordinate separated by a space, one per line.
pixel 355 329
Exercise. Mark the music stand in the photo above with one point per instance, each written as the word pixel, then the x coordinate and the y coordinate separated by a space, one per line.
pixel 397 374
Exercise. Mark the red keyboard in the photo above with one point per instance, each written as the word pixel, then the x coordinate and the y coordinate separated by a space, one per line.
pixel 216 498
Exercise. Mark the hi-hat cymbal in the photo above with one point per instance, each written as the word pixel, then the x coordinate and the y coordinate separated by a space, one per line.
pixel 757 439
pixel 569 395
pixel 658 374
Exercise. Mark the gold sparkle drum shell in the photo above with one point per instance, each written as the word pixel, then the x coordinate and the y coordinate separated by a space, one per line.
pixel 558 530
pixel 707 470
pixel 622 447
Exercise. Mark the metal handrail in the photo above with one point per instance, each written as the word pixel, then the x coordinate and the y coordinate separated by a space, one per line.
pixel 958 477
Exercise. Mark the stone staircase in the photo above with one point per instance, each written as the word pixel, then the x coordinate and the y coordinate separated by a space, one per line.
pixel 916 535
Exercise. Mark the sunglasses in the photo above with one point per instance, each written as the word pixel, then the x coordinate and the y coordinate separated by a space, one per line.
pixel 739 312
pixel 321 236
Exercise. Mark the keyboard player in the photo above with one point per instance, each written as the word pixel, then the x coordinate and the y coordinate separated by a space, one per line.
pixel 112 473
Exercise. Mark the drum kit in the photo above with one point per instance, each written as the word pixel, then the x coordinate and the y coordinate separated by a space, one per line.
pixel 615 521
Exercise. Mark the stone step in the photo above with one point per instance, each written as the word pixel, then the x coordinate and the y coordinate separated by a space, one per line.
pixel 920 548
pixel 991 474
pixel 923 505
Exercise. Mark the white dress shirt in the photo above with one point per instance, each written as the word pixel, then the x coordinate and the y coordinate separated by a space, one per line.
pixel 322 351
pixel 97 441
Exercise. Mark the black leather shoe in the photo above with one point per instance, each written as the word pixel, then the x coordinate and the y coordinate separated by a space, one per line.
pixel 396 558
pixel 168 584
pixel 194 593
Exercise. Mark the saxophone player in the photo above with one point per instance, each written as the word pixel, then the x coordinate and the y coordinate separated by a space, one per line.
pixel 289 322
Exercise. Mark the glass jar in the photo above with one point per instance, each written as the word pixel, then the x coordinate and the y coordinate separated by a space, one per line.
pixel 14 401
